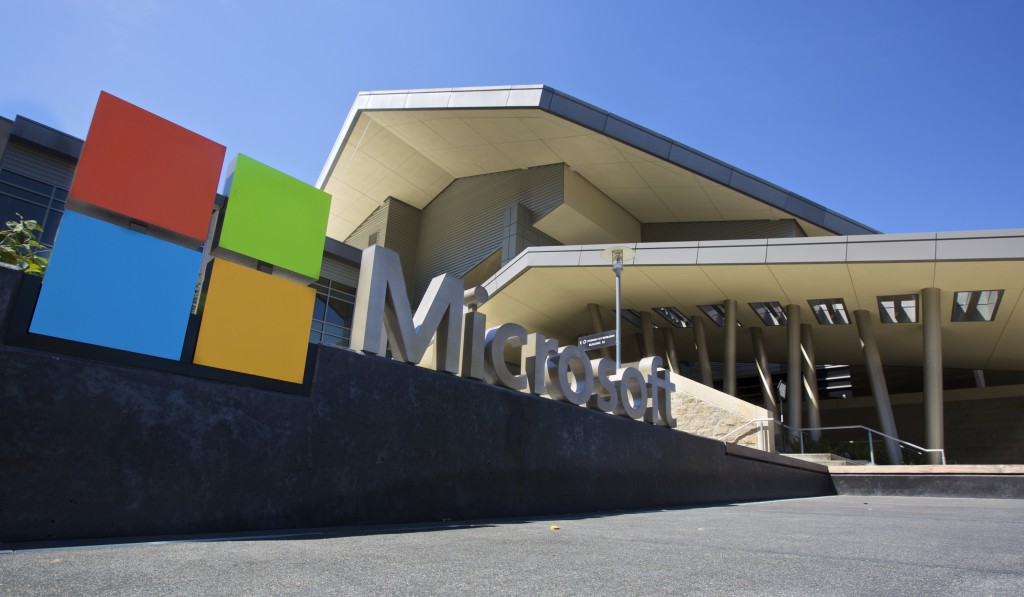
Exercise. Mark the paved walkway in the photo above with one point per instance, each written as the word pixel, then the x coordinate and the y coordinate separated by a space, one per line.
pixel 839 545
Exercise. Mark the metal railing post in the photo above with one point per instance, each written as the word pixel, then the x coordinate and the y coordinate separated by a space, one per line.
pixel 871 446
pixel 801 441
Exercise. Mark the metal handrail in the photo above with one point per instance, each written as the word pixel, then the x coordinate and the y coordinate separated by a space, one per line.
pixel 760 426
pixel 871 445
pixel 765 440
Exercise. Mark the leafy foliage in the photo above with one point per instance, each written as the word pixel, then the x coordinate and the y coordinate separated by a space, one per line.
pixel 19 247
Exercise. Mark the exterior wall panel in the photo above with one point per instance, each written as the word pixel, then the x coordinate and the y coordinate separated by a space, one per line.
pixel 5 132
pixel 734 230
pixel 402 236
pixel 464 224
pixel 375 224
pixel 38 164
pixel 397 226
pixel 339 271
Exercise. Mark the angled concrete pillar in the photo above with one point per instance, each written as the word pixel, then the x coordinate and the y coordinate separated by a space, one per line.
pixel 700 342
pixel 873 362
pixel 763 374
pixel 729 375
pixel 671 358
pixel 931 323
pixel 794 377
pixel 647 330
pixel 810 379
pixel 597 325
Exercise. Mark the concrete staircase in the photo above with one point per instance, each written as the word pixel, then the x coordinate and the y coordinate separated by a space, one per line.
pixel 827 459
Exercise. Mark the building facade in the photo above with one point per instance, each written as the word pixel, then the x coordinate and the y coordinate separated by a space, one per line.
pixel 737 283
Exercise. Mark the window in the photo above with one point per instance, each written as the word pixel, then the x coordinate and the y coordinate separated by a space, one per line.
pixel 716 313
pixel 900 308
pixel 332 313
pixel 829 311
pixel 34 200
pixel 674 317
pixel 976 305
pixel 770 313
pixel 632 316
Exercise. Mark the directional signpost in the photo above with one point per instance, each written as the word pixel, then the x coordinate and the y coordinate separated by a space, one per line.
pixel 598 340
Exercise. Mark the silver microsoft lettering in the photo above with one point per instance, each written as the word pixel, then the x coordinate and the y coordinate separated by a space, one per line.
pixel 384 318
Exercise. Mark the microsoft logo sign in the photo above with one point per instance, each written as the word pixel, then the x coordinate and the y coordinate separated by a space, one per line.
pixel 126 261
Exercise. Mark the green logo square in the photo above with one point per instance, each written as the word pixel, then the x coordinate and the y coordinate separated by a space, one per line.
pixel 275 218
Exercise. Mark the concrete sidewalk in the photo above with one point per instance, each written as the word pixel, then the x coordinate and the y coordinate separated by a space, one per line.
pixel 841 545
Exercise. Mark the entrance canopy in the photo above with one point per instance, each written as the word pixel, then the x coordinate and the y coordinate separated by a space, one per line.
pixel 547 289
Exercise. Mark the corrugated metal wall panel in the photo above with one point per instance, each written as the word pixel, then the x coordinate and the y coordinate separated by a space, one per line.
pixel 463 225
pixel 40 165
pixel 360 237
pixel 339 271
pixel 691 231
pixel 5 132
pixel 403 233
pixel 397 226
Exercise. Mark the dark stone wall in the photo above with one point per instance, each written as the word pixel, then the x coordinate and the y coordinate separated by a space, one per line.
pixel 89 449
pixel 939 485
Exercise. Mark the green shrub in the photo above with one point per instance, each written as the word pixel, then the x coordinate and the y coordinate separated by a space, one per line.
pixel 19 247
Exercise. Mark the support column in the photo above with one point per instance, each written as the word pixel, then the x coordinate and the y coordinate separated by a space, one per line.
pixel 761 360
pixel 810 379
pixel 647 329
pixel 873 362
pixel 931 321
pixel 729 375
pixel 671 358
pixel 597 325
pixel 700 341
pixel 794 377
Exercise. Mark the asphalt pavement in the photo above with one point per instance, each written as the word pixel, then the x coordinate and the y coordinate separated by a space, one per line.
pixel 839 545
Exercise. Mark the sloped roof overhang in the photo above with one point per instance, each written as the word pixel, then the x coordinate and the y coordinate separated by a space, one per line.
pixel 410 144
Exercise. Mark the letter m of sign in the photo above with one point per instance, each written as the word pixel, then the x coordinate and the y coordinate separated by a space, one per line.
pixel 382 305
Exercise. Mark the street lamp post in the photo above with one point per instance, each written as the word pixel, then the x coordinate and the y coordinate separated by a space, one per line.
pixel 617 255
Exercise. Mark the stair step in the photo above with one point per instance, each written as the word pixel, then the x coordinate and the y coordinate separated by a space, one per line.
pixel 827 459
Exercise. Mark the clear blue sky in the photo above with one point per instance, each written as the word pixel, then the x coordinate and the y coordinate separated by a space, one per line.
pixel 905 115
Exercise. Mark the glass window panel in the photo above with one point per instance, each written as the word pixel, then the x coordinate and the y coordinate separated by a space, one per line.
pixel 909 314
pixel 840 313
pixel 13 191
pixel 51 226
pixel 314 337
pixel 770 313
pixel 332 315
pixel 987 303
pixel 716 313
pixel 898 309
pixel 319 307
pixel 976 305
pixel 345 293
pixel 333 329
pixel 26 182
pixel 29 211
pixel 341 306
